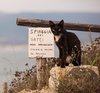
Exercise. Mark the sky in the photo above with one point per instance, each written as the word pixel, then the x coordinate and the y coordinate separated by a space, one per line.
pixel 16 6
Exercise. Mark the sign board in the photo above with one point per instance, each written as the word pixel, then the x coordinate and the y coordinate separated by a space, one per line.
pixel 40 43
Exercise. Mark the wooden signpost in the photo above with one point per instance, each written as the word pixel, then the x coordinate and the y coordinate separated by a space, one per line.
pixel 40 48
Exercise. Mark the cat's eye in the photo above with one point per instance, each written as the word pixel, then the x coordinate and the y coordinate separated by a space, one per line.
pixel 53 30
pixel 59 29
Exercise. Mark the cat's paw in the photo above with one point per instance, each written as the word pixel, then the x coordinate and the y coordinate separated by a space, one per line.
pixel 66 64
pixel 58 64
pixel 75 63
pixel 62 66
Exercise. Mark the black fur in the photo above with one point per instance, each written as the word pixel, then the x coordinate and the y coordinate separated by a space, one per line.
pixel 67 42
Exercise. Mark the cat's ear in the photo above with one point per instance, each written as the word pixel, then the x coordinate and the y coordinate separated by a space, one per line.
pixel 61 23
pixel 51 24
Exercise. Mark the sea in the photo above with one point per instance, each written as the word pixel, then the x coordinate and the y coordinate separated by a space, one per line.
pixel 9 64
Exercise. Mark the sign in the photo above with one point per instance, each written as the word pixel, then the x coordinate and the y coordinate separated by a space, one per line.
pixel 40 43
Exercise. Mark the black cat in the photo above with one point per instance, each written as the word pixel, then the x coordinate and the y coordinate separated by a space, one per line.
pixel 66 42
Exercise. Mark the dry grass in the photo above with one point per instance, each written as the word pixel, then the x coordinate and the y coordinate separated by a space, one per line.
pixel 24 80
pixel 27 79
pixel 80 82
pixel 90 56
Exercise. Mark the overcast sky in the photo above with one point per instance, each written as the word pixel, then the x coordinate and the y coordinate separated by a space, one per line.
pixel 13 6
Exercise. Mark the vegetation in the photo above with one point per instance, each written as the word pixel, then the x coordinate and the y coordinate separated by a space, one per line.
pixel 27 79
pixel 24 80
pixel 90 56
pixel 80 82
pixel 91 53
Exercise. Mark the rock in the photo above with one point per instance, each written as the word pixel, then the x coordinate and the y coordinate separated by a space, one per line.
pixel 76 75
pixel 73 77
pixel 47 90
pixel 43 90
pixel 29 91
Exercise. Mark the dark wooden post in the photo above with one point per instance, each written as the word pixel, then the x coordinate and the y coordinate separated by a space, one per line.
pixel 67 26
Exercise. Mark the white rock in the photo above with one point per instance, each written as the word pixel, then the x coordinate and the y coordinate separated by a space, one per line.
pixel 57 73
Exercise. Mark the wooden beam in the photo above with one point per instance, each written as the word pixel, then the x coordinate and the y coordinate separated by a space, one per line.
pixel 67 26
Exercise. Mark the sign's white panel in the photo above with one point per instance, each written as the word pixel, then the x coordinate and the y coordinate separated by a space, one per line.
pixel 40 43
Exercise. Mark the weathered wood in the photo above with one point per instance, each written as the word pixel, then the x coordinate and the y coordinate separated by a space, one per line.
pixel 41 73
pixel 4 87
pixel 67 26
